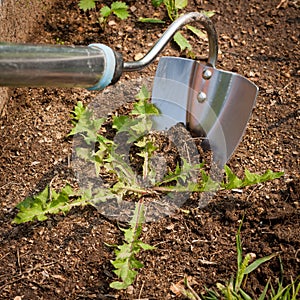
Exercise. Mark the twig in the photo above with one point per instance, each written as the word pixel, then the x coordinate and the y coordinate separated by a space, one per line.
pixel 283 3
pixel 19 261
pixel 9 283
pixel 50 188
pixel 26 272
pixel 141 290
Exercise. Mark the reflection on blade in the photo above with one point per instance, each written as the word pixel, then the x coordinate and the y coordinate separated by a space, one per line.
pixel 217 107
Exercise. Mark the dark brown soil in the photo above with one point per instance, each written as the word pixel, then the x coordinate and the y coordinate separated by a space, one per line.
pixel 66 257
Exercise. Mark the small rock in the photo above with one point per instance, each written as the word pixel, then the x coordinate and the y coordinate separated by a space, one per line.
pixel 130 290
pixel 112 23
pixel 138 56
pixel 133 8
pixel 251 74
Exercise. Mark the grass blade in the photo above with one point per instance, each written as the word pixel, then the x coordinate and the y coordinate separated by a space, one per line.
pixel 258 262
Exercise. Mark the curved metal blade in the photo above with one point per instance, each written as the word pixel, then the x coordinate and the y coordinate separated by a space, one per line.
pixel 210 102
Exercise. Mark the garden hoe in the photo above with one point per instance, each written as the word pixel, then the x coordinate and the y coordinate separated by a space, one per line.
pixel 211 103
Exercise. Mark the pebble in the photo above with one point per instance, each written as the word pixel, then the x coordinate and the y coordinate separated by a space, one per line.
pixel 138 56
pixel 133 8
pixel 251 74
pixel 130 290
pixel 112 23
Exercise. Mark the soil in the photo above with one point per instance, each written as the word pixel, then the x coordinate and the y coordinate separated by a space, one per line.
pixel 66 257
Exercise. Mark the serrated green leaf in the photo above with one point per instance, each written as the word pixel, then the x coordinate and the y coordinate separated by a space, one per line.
pixel 120 9
pixel 87 4
pixel 145 246
pixel 270 175
pixel 207 183
pixel 120 122
pixel 125 263
pixel 105 11
pixel 85 124
pixel 151 20
pixel 143 95
pixel 141 128
pixel 122 253
pixel 78 110
pixel 144 108
pixel 182 42
pixel 39 206
pixel 136 264
pixel 232 181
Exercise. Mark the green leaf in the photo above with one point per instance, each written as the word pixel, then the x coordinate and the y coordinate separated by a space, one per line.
pixel 264 292
pixel 208 13
pixel 258 262
pixel 143 94
pixel 182 42
pixel 180 4
pixel 156 3
pixel 245 295
pixel 120 9
pixel 196 31
pixel 125 263
pixel 207 183
pixel 87 4
pixel 105 11
pixel 232 181
pixel 47 202
pixel 118 285
pixel 120 122
pixel 78 111
pixel 85 124
pixel 151 20
pixel 144 108
pixel 145 246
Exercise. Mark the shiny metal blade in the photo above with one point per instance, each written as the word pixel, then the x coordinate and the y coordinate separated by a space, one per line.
pixel 212 103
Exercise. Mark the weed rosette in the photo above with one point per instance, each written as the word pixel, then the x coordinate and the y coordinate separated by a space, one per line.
pixel 120 156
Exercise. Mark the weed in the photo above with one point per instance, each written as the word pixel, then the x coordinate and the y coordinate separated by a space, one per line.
pixel 234 288
pixel 119 9
pixel 125 263
pixel 173 7
pixel 108 157
pixel 48 202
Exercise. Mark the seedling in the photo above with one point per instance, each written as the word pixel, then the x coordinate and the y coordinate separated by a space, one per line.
pixel 173 7
pixel 234 289
pixel 119 9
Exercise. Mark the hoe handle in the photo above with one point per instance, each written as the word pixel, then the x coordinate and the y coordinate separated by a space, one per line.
pixel 170 32
pixel 93 67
